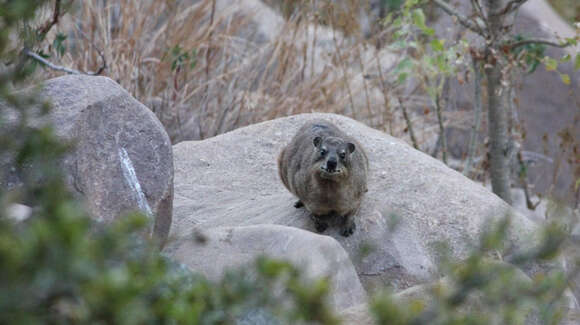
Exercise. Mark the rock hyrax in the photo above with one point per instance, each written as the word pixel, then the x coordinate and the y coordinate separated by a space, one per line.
pixel 327 171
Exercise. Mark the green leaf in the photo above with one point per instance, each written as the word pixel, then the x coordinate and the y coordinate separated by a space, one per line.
pixel 441 63
pixel 402 77
pixel 566 58
pixel 393 5
pixel 429 31
pixel 565 78
pixel 42 54
pixel 419 18
pixel 404 65
pixel 58 43
pixel 438 45
pixel 397 22
pixel 571 41
pixel 577 62
pixel 551 64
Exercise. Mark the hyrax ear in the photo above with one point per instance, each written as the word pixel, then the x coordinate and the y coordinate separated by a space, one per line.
pixel 317 141
pixel 351 147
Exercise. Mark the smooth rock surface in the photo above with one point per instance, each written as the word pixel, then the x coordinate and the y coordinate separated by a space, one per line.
pixel 227 248
pixel 231 180
pixel 122 159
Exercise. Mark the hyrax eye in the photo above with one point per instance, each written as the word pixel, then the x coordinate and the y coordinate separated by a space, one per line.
pixel 323 152
pixel 342 154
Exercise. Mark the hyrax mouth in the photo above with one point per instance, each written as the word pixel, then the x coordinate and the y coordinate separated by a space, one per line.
pixel 327 172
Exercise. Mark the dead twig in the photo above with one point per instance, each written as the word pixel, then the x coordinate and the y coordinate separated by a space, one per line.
pixel 510 7
pixel 56 13
pixel 462 19
pixel 523 176
pixel 44 29
pixel 409 124
pixel 517 44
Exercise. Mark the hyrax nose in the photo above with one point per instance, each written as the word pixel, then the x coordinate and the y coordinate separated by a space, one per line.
pixel 331 163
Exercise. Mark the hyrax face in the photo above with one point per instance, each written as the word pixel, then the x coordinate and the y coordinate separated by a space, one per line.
pixel 332 157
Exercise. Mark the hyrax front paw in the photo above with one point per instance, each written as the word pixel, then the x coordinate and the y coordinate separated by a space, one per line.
pixel 320 226
pixel 298 204
pixel 348 228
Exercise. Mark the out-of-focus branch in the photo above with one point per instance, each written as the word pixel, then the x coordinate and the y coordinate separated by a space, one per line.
pixel 409 124
pixel 56 67
pixel 56 13
pixel 477 7
pixel 511 7
pixel 49 64
pixel 524 182
pixel 517 44
pixel 463 20
pixel 479 12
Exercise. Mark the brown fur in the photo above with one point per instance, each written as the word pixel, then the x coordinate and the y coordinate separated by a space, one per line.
pixel 326 184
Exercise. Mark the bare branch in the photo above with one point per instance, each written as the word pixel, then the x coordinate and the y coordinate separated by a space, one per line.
pixel 524 183
pixel 49 64
pixel 463 20
pixel 477 7
pixel 512 6
pixel 537 41
pixel 44 29
pixel 479 12
pixel 55 67
pixel 53 21
pixel 99 52
pixel 409 124
pixel 535 157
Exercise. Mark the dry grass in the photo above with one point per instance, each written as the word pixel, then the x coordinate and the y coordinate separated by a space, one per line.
pixel 250 65
pixel 569 9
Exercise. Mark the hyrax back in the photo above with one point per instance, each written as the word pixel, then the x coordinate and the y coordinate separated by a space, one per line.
pixel 327 170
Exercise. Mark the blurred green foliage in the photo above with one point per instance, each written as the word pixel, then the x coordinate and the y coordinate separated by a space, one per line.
pixel 483 290
pixel 56 270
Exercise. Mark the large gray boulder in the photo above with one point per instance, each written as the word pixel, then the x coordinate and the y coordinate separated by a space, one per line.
pixel 122 159
pixel 227 248
pixel 231 180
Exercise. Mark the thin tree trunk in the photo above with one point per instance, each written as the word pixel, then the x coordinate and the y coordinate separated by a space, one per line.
pixel 442 136
pixel 498 136
pixel 477 114
pixel 497 117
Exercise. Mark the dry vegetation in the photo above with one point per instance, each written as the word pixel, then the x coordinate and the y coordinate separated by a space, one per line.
pixel 207 67
pixel 569 9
